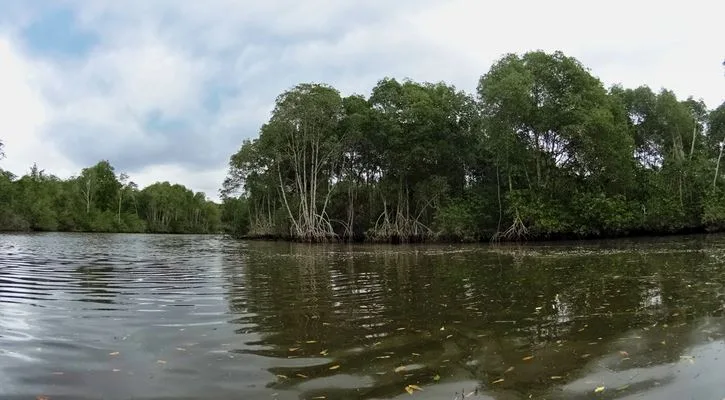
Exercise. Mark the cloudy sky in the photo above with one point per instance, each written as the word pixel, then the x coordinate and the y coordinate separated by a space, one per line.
pixel 167 89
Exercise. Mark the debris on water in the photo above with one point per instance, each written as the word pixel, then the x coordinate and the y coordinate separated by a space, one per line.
pixel 411 388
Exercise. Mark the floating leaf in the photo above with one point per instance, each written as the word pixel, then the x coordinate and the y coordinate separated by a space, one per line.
pixel 443 328
pixel 437 378
pixel 556 377
pixel 623 353
pixel 294 348
pixel 509 370
pixel 335 367
pixel 302 376
pixel 282 377
pixel 497 381
pixel 323 352
pixel 527 358
pixel 115 353
pixel 399 369
pixel 416 387
pixel 416 354
pixel 311 341
pixel 599 389
pixel 409 389
pixel 180 349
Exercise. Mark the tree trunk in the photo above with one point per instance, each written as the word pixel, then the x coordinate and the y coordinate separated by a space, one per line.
pixel 717 167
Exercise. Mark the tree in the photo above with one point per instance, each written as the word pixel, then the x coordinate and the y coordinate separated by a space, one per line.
pixel 302 139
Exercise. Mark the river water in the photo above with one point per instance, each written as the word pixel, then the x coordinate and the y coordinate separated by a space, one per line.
pixel 199 317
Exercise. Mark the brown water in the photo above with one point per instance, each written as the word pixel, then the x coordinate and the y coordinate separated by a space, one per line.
pixel 198 317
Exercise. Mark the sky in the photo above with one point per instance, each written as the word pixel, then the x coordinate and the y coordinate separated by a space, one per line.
pixel 166 90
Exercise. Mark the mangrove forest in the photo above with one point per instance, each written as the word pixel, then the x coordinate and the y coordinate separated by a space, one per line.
pixel 100 200
pixel 542 150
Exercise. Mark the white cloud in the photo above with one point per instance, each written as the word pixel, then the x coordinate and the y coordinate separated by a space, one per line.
pixel 206 181
pixel 169 57
pixel 23 113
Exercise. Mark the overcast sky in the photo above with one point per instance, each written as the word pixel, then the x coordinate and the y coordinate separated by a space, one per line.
pixel 167 89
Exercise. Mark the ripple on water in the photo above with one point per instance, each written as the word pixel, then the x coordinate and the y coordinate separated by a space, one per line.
pixel 138 316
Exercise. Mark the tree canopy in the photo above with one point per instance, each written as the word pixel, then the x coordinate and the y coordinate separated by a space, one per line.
pixel 100 200
pixel 542 150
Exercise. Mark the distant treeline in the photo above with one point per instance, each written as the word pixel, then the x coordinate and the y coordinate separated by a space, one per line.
pixel 98 200
pixel 542 150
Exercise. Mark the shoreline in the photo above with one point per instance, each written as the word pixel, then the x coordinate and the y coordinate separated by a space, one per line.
pixel 560 238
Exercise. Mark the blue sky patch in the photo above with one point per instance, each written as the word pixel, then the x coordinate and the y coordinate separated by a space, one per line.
pixel 56 33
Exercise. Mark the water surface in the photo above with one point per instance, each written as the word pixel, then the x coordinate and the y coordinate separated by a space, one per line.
pixel 198 317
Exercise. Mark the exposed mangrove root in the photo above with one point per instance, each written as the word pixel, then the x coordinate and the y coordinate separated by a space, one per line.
pixel 517 231
pixel 400 229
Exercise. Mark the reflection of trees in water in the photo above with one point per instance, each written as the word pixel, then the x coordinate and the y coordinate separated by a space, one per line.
pixel 458 314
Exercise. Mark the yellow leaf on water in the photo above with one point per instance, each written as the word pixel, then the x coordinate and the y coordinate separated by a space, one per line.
pixel 556 377
pixel 437 378
pixel 443 328
pixel 498 381
pixel 323 352
pixel 302 376
pixel 311 341
pixel 409 389
pixel 416 354
pixel 294 348
pixel 527 358
pixel 115 353
pixel 416 387
pixel 599 389
pixel 335 367
pixel 282 377
pixel 508 370
pixel 399 369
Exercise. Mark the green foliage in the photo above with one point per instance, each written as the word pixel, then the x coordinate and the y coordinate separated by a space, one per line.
pixel 99 201
pixel 545 151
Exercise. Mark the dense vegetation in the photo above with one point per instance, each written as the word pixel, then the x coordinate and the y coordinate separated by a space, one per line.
pixel 100 201
pixel 543 150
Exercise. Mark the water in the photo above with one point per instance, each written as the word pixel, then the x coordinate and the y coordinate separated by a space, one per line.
pixel 198 317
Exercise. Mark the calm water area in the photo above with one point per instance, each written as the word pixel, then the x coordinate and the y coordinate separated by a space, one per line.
pixel 114 316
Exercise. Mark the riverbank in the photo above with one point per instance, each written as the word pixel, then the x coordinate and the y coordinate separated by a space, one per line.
pixel 563 237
